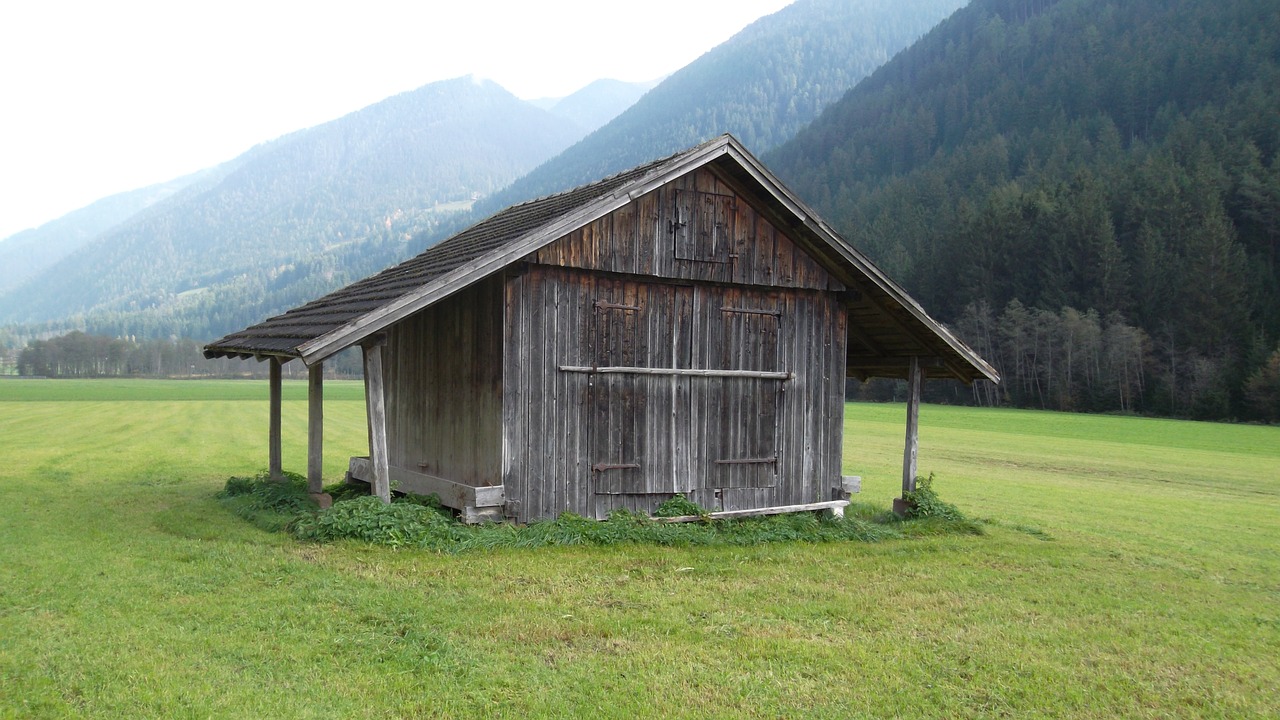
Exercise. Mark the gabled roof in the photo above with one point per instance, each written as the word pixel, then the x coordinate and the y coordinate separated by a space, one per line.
pixel 348 316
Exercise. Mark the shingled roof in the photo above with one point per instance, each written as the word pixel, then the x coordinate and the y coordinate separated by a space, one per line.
pixel 347 316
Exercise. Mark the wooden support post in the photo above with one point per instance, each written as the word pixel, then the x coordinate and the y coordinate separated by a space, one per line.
pixel 274 466
pixel 915 378
pixel 375 403
pixel 315 432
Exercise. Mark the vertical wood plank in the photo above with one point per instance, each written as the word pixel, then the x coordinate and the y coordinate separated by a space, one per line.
pixel 909 468
pixel 762 255
pixel 515 418
pixel 375 403
pixel 315 428
pixel 274 466
pixel 838 363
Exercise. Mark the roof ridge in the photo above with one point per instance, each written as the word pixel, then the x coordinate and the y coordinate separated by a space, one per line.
pixel 645 167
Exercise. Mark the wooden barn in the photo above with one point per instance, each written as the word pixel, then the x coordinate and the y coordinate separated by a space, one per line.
pixel 682 327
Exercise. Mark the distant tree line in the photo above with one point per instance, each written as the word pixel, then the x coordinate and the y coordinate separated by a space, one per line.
pixel 80 355
pixel 1083 362
pixel 1073 360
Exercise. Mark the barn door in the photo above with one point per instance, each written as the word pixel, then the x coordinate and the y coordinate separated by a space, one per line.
pixel 738 416
pixel 636 447
pixel 677 429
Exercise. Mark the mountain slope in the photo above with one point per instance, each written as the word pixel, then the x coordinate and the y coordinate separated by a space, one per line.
pixel 1116 157
pixel 762 85
pixel 298 215
pixel 24 254
pixel 598 102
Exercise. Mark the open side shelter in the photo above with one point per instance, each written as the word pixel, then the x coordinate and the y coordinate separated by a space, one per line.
pixel 685 326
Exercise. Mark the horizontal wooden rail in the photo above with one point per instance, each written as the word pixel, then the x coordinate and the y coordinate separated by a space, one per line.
pixel 777 510
pixel 602 305
pixel 750 311
pixel 694 372
pixel 747 461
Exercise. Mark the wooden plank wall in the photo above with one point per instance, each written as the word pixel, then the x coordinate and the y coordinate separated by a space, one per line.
pixel 571 437
pixel 590 443
pixel 641 238
pixel 444 388
pixel 544 461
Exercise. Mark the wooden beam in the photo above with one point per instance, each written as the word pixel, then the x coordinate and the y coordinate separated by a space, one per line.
pixel 902 362
pixel 274 464
pixel 315 428
pixel 696 372
pixel 855 332
pixel 909 465
pixel 452 494
pixel 757 512
pixel 376 407
pixel 879 304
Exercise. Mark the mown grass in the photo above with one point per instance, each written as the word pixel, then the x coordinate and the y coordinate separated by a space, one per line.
pixel 1130 568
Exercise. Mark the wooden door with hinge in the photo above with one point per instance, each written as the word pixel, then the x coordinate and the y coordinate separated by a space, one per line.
pixel 638 434
pixel 736 429
pixel 685 389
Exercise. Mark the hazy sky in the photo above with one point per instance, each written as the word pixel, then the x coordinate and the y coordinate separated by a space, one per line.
pixel 103 96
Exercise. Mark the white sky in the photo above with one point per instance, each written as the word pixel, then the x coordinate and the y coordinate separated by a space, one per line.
pixel 102 96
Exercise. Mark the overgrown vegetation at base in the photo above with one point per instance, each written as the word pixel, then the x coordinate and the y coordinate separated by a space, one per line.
pixel 413 521
pixel 923 502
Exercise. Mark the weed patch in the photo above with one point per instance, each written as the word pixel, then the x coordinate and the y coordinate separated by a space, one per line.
pixel 418 522
pixel 679 506
pixel 923 502
pixel 270 504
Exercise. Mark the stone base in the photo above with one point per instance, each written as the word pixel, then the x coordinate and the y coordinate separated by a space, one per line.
pixel 472 515
pixel 324 500
pixel 900 507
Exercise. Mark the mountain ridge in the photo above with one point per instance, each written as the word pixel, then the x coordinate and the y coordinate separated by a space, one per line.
pixel 372 178
pixel 761 85
pixel 28 252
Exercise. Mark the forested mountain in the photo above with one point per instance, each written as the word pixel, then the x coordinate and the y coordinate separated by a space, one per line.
pixel 24 254
pixel 762 85
pixel 597 103
pixel 296 217
pixel 1089 188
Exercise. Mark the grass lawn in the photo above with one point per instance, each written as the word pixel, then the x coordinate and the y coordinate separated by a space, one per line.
pixel 1130 568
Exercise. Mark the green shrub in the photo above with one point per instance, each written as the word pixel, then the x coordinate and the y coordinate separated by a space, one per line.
pixel 923 502
pixel 263 493
pixel 340 491
pixel 369 519
pixel 237 486
pixel 679 506
pixel 269 504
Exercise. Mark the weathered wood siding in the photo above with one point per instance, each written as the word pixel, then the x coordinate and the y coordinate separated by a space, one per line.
pixel 443 368
pixel 693 228
pixel 687 278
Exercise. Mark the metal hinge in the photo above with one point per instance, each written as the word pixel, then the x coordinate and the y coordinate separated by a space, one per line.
pixel 601 467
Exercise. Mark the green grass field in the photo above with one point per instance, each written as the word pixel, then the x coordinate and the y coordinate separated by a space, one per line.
pixel 1130 568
